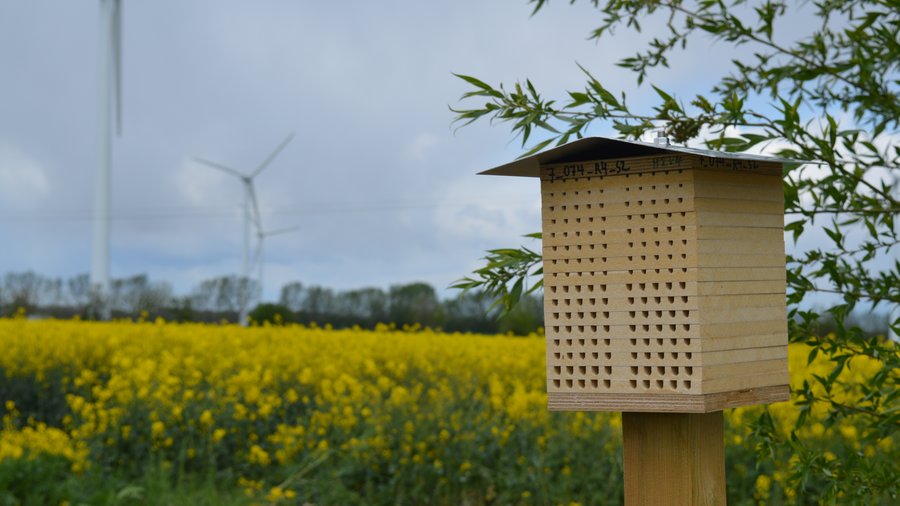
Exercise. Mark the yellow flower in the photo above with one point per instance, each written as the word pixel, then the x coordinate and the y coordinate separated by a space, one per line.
pixel 849 432
pixel 275 494
pixel 763 484
pixel 206 418
pixel 258 456
pixel 157 429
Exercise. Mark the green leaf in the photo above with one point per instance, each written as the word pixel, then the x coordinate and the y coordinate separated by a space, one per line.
pixel 536 148
pixel 665 96
pixel 481 85
pixel 796 228
pixel 813 353
pixel 578 99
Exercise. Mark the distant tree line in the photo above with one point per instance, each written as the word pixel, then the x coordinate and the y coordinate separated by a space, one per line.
pixel 219 299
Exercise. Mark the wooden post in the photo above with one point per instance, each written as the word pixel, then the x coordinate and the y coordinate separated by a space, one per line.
pixel 674 459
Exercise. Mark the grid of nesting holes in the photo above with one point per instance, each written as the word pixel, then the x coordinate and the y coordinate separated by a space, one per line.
pixel 619 322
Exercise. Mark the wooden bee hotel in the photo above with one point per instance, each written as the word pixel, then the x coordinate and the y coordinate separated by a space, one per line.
pixel 664 298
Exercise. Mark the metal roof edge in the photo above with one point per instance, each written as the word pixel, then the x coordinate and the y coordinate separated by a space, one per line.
pixel 529 166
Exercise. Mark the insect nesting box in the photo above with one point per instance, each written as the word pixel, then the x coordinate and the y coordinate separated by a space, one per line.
pixel 664 276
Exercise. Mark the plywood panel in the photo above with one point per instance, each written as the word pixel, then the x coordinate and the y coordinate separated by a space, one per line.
pixel 622 168
pixel 733 206
pixel 746 341
pixel 739 247
pixel 679 350
pixel 641 223
pixel 745 273
pixel 732 383
pixel 633 167
pixel 740 220
pixel 767 235
pixel 631 204
pixel 592 388
pixel 675 181
pixel 580 260
pixel 759 367
pixel 739 301
pixel 764 192
pixel 739 316
pixel 638 262
pixel 560 281
pixel 770 175
pixel 740 287
pixel 629 373
pixel 621 290
pixel 642 321
pixel 677 247
pixel 715 331
pixel 662 402
pixel 735 356
pixel 611 195
pixel 633 263
pixel 606 238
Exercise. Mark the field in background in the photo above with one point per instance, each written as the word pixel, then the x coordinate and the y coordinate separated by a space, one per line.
pixel 129 413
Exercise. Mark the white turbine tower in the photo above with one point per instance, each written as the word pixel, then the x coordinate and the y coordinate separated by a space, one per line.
pixel 110 109
pixel 251 213
pixel 259 258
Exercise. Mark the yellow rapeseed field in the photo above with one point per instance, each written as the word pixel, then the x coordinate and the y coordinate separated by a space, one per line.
pixel 293 414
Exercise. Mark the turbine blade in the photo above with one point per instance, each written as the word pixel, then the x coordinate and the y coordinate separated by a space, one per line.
pixel 116 41
pixel 251 191
pixel 219 166
pixel 280 231
pixel 257 256
pixel 271 157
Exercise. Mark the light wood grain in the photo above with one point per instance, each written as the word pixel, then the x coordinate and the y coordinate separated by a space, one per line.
pixel 674 459
pixel 666 403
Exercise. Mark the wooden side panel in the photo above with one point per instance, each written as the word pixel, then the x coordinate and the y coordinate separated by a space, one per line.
pixel 748 348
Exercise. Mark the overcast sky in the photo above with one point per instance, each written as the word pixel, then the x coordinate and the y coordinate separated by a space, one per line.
pixel 382 188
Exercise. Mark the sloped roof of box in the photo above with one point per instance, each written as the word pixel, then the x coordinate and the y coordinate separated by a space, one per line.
pixel 598 148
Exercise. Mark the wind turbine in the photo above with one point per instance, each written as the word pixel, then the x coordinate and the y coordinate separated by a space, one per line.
pixel 258 258
pixel 251 210
pixel 110 107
